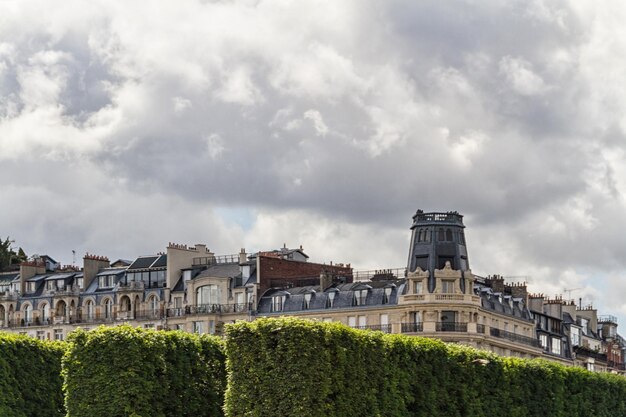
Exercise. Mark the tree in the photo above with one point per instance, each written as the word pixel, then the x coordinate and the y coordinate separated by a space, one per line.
pixel 8 256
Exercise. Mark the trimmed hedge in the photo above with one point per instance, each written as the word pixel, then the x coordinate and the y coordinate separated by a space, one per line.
pixel 294 367
pixel 125 371
pixel 30 377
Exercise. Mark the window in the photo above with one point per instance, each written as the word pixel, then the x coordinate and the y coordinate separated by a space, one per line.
pixel 208 294
pixel 108 308
pixel 307 300
pixel 441 236
pixel 360 296
pixel 543 340
pixel 45 312
pixel 79 283
pixel 89 308
pixel 278 302
pixel 211 326
pixel 327 320
pixel 60 284
pixel 331 298
pixel 362 321
pixel 556 345
pixel 418 287
pixel 41 335
pixel 32 287
pixel 106 281
pixel 154 304
pixel 58 334
pixel 422 262
pixel 352 321
pixel 387 295
pixel 28 313
pixel 417 317
pixel 148 326
pixel 584 323
pixel 384 320
pixel 449 235
pixel 178 302
pixel 198 327
pixel 447 286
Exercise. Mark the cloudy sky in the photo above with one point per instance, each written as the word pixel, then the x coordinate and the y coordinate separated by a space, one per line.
pixel 127 125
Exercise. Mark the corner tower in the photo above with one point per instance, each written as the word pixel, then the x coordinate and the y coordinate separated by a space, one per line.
pixel 437 238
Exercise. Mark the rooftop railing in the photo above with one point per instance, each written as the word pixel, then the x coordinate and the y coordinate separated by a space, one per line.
pixel 442 326
pixel 379 274
pixel 412 327
pixel 607 319
pixel 216 260
pixel 209 309
pixel 513 337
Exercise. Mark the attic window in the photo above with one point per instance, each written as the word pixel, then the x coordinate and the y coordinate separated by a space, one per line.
pixel 307 300
pixel 331 298
pixel 360 296
pixel 387 294
pixel 278 302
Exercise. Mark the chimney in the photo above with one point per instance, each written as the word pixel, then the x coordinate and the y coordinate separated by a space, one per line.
pixel 30 269
pixel 326 280
pixel 520 291
pixel 92 264
pixel 243 256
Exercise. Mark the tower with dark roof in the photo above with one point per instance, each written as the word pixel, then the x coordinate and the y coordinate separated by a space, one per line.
pixel 437 238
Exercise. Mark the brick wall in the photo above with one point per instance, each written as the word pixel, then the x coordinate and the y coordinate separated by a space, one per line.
pixel 279 272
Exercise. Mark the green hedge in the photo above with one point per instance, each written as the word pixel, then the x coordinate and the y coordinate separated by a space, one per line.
pixel 126 371
pixel 30 377
pixel 293 367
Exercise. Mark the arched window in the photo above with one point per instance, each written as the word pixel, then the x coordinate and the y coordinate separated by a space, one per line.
pixel 441 236
pixel 154 304
pixel 45 312
pixel 449 235
pixel 108 308
pixel 28 313
pixel 420 236
pixel 208 294
pixel 89 309
pixel 426 235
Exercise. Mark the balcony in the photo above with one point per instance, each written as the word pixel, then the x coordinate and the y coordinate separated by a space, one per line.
pixel 8 296
pixel 441 298
pixel 385 328
pixel 131 286
pixel 517 338
pixel 584 352
pixel 450 327
pixel 412 327
pixel 209 309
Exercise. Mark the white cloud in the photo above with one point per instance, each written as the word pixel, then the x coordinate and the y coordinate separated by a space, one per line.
pixel 519 74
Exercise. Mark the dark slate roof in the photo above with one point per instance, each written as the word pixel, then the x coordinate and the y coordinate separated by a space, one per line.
pixel 60 276
pixel 567 319
pixel 344 296
pixel 509 306
pixel 220 271
pixel 36 278
pixel 161 262
pixel 110 271
pixel 180 286
pixel 6 278
pixel 143 262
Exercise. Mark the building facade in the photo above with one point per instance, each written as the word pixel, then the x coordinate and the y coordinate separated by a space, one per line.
pixel 190 288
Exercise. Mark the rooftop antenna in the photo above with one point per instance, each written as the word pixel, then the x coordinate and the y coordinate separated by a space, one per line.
pixel 73 257
pixel 569 291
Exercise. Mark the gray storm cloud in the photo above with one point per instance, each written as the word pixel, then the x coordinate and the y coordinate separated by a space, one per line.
pixel 123 127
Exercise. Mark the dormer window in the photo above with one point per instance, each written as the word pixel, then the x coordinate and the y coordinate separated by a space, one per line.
pixel 418 287
pixel 307 300
pixel 32 287
pixel 360 296
pixel 278 302
pixel 387 294
pixel 331 298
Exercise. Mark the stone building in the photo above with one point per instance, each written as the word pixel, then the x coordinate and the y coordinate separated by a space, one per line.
pixel 436 295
